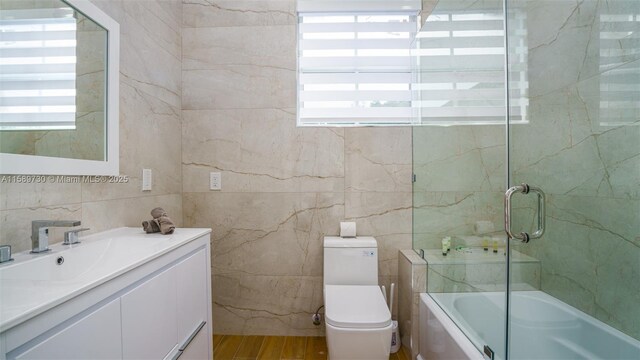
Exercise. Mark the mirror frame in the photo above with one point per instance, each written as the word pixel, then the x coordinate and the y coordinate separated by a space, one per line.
pixel 45 165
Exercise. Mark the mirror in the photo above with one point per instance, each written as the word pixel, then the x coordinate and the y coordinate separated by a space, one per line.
pixel 58 88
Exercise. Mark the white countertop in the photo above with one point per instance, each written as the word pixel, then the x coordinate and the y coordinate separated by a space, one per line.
pixel 32 284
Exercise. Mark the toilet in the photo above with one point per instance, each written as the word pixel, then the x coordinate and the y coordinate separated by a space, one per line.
pixel 358 321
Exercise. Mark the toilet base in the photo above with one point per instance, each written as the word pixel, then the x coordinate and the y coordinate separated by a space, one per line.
pixel 358 344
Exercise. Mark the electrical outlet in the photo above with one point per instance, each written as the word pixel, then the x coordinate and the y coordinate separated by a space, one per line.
pixel 147 179
pixel 215 181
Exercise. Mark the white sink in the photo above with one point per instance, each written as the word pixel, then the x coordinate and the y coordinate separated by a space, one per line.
pixel 32 283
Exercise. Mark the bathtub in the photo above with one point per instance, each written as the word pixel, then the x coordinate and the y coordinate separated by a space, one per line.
pixel 542 327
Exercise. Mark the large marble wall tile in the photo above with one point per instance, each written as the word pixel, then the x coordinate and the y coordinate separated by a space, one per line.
pixel 482 277
pixel 19 196
pixel 412 280
pixel 563 43
pixel 558 121
pixel 569 136
pixel 108 214
pixel 378 159
pixel 267 46
pixel 15 224
pixel 239 87
pixel 150 98
pixel 266 305
pixel 261 151
pixel 590 256
pixel 161 20
pixel 480 271
pixel 440 214
pixel 278 234
pixel 459 158
pixel 149 35
pixel 150 139
pixel 220 13
pixel 550 173
pixel 616 298
pixel 405 292
pixel 388 246
pixel 387 217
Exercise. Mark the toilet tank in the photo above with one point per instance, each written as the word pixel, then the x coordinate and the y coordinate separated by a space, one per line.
pixel 350 261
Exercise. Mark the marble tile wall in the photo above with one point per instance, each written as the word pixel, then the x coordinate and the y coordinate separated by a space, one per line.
pixel 412 280
pixel 460 172
pixel 150 127
pixel 283 187
pixel 459 181
pixel 584 152
pixel 580 146
pixel 480 272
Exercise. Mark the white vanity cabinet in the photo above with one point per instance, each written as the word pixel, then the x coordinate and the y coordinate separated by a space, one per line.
pixel 79 340
pixel 161 315
pixel 149 319
pixel 158 310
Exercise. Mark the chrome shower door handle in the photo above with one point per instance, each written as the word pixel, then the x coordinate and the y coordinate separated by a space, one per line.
pixel 541 212
pixel 524 189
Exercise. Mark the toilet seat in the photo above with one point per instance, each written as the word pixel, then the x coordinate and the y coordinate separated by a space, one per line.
pixel 356 306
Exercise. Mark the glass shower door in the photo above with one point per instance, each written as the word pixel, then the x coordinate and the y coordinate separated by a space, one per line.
pixel 574 133
pixel 459 165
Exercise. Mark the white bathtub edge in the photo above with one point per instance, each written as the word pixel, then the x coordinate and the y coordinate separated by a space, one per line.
pixel 458 338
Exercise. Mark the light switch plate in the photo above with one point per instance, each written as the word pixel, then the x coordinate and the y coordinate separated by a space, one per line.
pixel 215 181
pixel 147 179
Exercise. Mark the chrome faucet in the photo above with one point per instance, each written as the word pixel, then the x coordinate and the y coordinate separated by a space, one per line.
pixel 40 232
pixel 71 236
pixel 5 254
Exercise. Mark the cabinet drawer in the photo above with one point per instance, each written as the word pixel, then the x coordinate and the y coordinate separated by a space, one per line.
pixel 95 336
pixel 198 348
pixel 149 321
pixel 192 293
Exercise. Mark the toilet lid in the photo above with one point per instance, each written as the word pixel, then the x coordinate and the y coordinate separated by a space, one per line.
pixel 356 306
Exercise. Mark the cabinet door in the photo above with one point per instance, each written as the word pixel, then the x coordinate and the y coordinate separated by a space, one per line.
pixel 149 322
pixel 192 293
pixel 198 348
pixel 95 336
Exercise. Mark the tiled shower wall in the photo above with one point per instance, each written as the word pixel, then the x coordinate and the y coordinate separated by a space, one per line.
pixel 150 123
pixel 283 187
pixel 583 151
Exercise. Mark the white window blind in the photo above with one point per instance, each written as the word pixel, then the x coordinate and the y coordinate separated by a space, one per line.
pixel 355 68
pixel 619 94
pixel 461 69
pixel 37 69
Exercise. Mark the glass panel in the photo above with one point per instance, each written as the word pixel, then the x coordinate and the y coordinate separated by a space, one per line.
pixel 581 146
pixel 460 55
pixel 458 160
pixel 52 81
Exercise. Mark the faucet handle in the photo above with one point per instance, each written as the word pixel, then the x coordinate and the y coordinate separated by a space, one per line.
pixel 71 236
pixel 5 253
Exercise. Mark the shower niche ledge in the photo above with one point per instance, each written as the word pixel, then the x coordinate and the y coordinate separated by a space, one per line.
pixel 475 269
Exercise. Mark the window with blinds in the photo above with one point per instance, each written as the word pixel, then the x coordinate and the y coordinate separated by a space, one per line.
pixel 37 69
pixel 619 42
pixel 355 68
pixel 461 69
